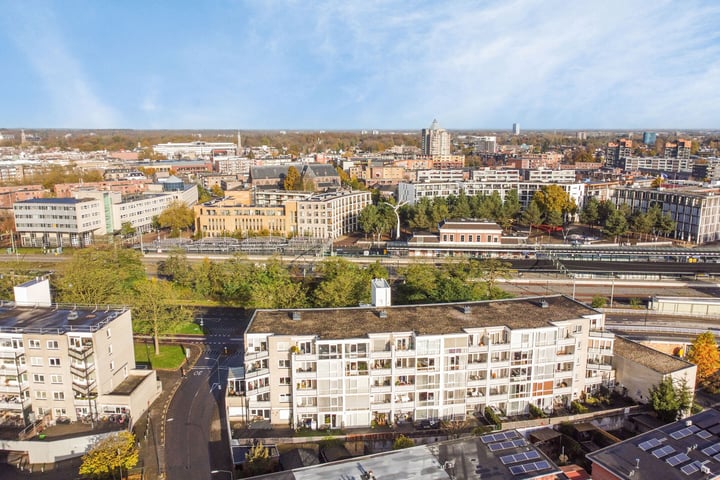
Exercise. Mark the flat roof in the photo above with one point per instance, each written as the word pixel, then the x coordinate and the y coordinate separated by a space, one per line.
pixel 435 319
pixel 130 383
pixel 647 357
pixel 66 201
pixel 673 451
pixel 54 320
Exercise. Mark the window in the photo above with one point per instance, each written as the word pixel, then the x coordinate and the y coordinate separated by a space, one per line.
pixel 112 366
pixel 34 343
pixel 109 349
pixel 285 397
pixel 56 379
pixel 109 333
pixel 284 380
pixel 36 361
pixel 283 346
pixel 41 394
pixel 54 362
pixel 52 345
pixel 38 378
pixel 58 395
pixel 283 363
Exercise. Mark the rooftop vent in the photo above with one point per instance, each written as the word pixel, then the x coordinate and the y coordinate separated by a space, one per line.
pixel 382 313
pixel 73 315
pixel 296 316
pixel 688 423
pixel 544 304
pixel 467 309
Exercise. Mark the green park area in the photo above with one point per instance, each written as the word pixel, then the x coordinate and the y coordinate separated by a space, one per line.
pixel 171 357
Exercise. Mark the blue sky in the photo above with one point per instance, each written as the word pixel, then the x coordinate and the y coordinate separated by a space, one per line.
pixel 360 64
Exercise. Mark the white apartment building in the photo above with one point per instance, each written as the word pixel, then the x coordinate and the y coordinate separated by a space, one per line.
pixel 487 144
pixel 436 140
pixel 445 175
pixel 331 215
pixel 58 222
pixel 348 367
pixel 233 166
pixel 495 175
pixel 547 175
pixel 192 149
pixel 665 164
pixel 60 362
pixel 412 192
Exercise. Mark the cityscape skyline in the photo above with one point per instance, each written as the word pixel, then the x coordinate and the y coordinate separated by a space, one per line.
pixel 336 66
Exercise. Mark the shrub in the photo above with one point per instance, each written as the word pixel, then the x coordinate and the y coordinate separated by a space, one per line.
pixel 635 302
pixel 491 417
pixel 598 301
pixel 403 442
pixel 536 412
pixel 577 407
pixel 482 430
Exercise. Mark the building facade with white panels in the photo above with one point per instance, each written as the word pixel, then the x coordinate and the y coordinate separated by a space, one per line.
pixel 349 367
pixel 332 214
pixel 495 175
pixel 69 363
pixel 436 140
pixel 192 149
pixel 59 222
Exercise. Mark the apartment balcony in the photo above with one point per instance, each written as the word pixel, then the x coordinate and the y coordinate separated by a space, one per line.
pixel 381 354
pixel 380 404
pixel 599 366
pixel 380 388
pixel 304 391
pixel 307 357
pixel 500 397
pixel 251 356
pixel 477 348
pixel 565 341
pixel 410 404
pixel 258 372
pixel 81 353
pixel 258 391
pixel 258 404
pixel 474 380
pixel 404 387
pixel 404 353
pixel 82 370
pixel 564 357
pixel 306 409
pixel 562 390
pixel 300 374
pixel 600 352
pixel 499 347
pixel 500 363
pixel 601 334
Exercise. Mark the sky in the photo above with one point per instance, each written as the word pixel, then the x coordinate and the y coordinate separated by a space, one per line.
pixel 360 64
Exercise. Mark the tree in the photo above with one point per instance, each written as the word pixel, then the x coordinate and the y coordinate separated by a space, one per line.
pixel 217 191
pixel 177 216
pixel 532 215
pixel 127 230
pixel 704 353
pixel 509 210
pixel 491 270
pixel 377 220
pixel 292 180
pixel 177 268
pixel 670 401
pixel 116 452
pixel 590 214
pixel 616 224
pixel 257 460
pixel 641 223
pixel 98 275
pixel 157 308
pixel 403 442
pixel 554 198
pixel 344 283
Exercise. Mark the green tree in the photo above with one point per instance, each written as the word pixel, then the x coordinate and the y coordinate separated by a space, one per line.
pixel 598 301
pixel 490 271
pixel 177 268
pixel 217 191
pixel 377 220
pixel 641 223
pixel 204 194
pixel 510 209
pixel 403 442
pixel 344 284
pixel 704 353
pixel 126 229
pixel 615 225
pixel 98 275
pixel 460 206
pixel 292 180
pixel 157 309
pixel 115 453
pixel 670 401
pixel 177 216
pixel 532 215
pixel 589 215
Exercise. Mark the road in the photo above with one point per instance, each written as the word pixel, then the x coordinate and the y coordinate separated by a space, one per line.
pixel 196 441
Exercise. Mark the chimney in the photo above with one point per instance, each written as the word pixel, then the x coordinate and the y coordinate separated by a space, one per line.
pixel 544 303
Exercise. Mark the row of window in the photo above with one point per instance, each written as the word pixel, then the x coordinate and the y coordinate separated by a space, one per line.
pixel 43 395
pixel 40 378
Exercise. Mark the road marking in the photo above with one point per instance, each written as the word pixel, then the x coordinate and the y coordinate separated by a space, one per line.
pixel 170 419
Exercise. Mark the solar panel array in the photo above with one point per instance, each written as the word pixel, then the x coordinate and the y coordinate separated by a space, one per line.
pixel 499 436
pixel 704 434
pixel 676 460
pixel 529 467
pixel 494 447
pixel 687 431
pixel 648 444
pixel 691 468
pixel 711 450
pixel 661 452
pixel 520 457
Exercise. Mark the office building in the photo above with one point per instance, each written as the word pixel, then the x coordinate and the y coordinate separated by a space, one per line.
pixel 649 138
pixel 436 140
pixel 348 367
pixel 616 152
pixel 516 129
pixel 59 222
pixel 486 145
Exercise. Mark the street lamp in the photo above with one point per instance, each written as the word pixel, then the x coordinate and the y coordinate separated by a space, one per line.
pixel 217 366
pixel 232 476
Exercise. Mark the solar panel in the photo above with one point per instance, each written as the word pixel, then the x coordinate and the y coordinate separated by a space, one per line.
pixel 517 470
pixel 711 450
pixel 661 452
pixel 691 468
pixel 684 432
pixel 499 436
pixel 529 467
pixel 676 460
pixel 520 457
pixel 494 447
pixel 704 434
pixel 648 444
pixel 717 457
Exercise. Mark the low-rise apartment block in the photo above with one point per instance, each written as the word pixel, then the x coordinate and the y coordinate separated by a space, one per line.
pixel 348 367
pixel 59 222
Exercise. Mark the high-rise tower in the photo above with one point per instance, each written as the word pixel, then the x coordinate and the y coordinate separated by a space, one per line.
pixel 435 140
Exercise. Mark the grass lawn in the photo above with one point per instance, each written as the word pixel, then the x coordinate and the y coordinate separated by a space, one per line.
pixel 170 358
pixel 187 328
